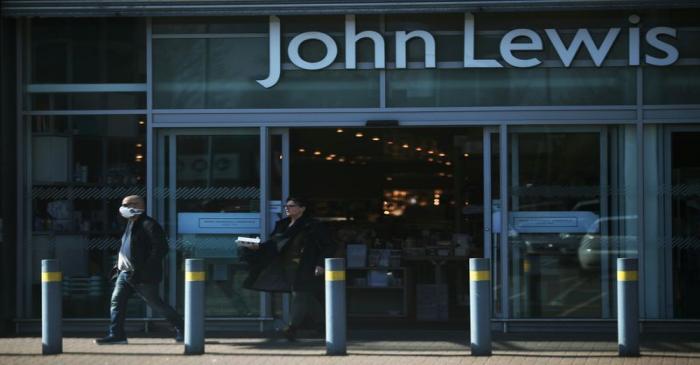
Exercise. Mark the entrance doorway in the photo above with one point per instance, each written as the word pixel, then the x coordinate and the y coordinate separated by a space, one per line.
pixel 405 207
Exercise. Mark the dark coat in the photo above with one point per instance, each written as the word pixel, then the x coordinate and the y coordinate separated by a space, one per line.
pixel 148 248
pixel 287 261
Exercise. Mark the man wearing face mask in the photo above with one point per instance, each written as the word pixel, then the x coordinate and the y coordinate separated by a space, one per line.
pixel 139 270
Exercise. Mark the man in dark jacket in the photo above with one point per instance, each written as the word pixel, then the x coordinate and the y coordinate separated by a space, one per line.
pixel 139 270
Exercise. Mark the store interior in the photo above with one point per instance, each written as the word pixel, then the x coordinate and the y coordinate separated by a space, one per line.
pixel 404 206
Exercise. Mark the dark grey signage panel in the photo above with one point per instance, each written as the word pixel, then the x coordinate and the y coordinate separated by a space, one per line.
pixel 58 8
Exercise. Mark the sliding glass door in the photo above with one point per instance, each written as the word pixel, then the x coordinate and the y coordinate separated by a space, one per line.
pixel 212 186
pixel 570 212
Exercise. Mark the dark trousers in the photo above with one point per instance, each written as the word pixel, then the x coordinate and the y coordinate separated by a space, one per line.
pixel 305 305
pixel 148 292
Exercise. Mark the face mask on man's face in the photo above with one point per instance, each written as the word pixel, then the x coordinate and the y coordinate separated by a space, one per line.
pixel 127 212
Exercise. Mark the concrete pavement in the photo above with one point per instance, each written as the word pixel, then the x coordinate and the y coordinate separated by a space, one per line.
pixel 364 347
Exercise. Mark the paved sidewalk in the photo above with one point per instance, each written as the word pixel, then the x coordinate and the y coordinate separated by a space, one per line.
pixel 364 347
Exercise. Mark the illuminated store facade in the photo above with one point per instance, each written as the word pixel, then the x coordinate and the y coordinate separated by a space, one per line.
pixel 415 132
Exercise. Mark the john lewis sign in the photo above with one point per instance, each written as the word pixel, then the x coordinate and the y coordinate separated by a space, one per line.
pixel 527 40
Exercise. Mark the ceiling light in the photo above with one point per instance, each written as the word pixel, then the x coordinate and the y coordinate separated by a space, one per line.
pixel 466 155
pixel 139 145
pixel 441 154
pixel 317 153
pixel 302 150
pixel 448 163
pixel 405 145
pixel 430 152
pixel 419 149
pixel 375 138
pixel 339 130
pixel 359 135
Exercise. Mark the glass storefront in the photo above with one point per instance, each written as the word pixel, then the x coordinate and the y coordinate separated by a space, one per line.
pixel 81 167
pixel 585 171
pixel 571 216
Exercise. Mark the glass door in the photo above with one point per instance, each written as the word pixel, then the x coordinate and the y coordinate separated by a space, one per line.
pixel 683 220
pixel 568 197
pixel 212 186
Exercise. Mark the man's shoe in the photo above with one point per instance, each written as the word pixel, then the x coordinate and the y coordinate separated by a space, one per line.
pixel 179 336
pixel 111 340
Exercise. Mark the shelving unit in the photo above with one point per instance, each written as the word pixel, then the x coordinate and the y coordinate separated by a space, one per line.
pixel 377 292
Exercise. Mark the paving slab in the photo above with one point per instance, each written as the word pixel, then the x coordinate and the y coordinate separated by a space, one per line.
pixel 364 347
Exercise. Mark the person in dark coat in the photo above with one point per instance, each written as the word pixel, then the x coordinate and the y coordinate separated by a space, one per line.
pixel 292 260
pixel 139 270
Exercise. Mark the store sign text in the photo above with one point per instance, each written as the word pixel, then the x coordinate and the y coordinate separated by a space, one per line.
pixel 528 40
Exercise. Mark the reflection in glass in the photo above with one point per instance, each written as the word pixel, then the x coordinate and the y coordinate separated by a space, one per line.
pixel 685 223
pixel 81 168
pixel 570 219
pixel 217 174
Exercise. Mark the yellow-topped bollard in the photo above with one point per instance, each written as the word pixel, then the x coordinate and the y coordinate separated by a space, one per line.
pixel 480 306
pixel 195 278
pixel 627 307
pixel 335 307
pixel 51 308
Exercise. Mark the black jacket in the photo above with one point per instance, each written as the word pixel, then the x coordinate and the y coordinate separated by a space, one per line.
pixel 148 248
pixel 287 261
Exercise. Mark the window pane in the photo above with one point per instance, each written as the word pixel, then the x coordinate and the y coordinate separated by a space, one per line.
pixel 217 179
pixel 517 87
pixel 75 50
pixel 570 222
pixel 221 73
pixel 87 101
pixel 672 85
pixel 82 166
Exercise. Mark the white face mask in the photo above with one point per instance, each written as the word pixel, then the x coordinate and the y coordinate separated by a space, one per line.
pixel 127 212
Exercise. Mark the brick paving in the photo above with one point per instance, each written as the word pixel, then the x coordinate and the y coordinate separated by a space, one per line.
pixel 364 347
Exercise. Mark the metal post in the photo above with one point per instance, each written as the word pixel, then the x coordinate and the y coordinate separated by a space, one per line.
pixel 627 308
pixel 51 308
pixel 194 306
pixel 480 306
pixel 335 307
